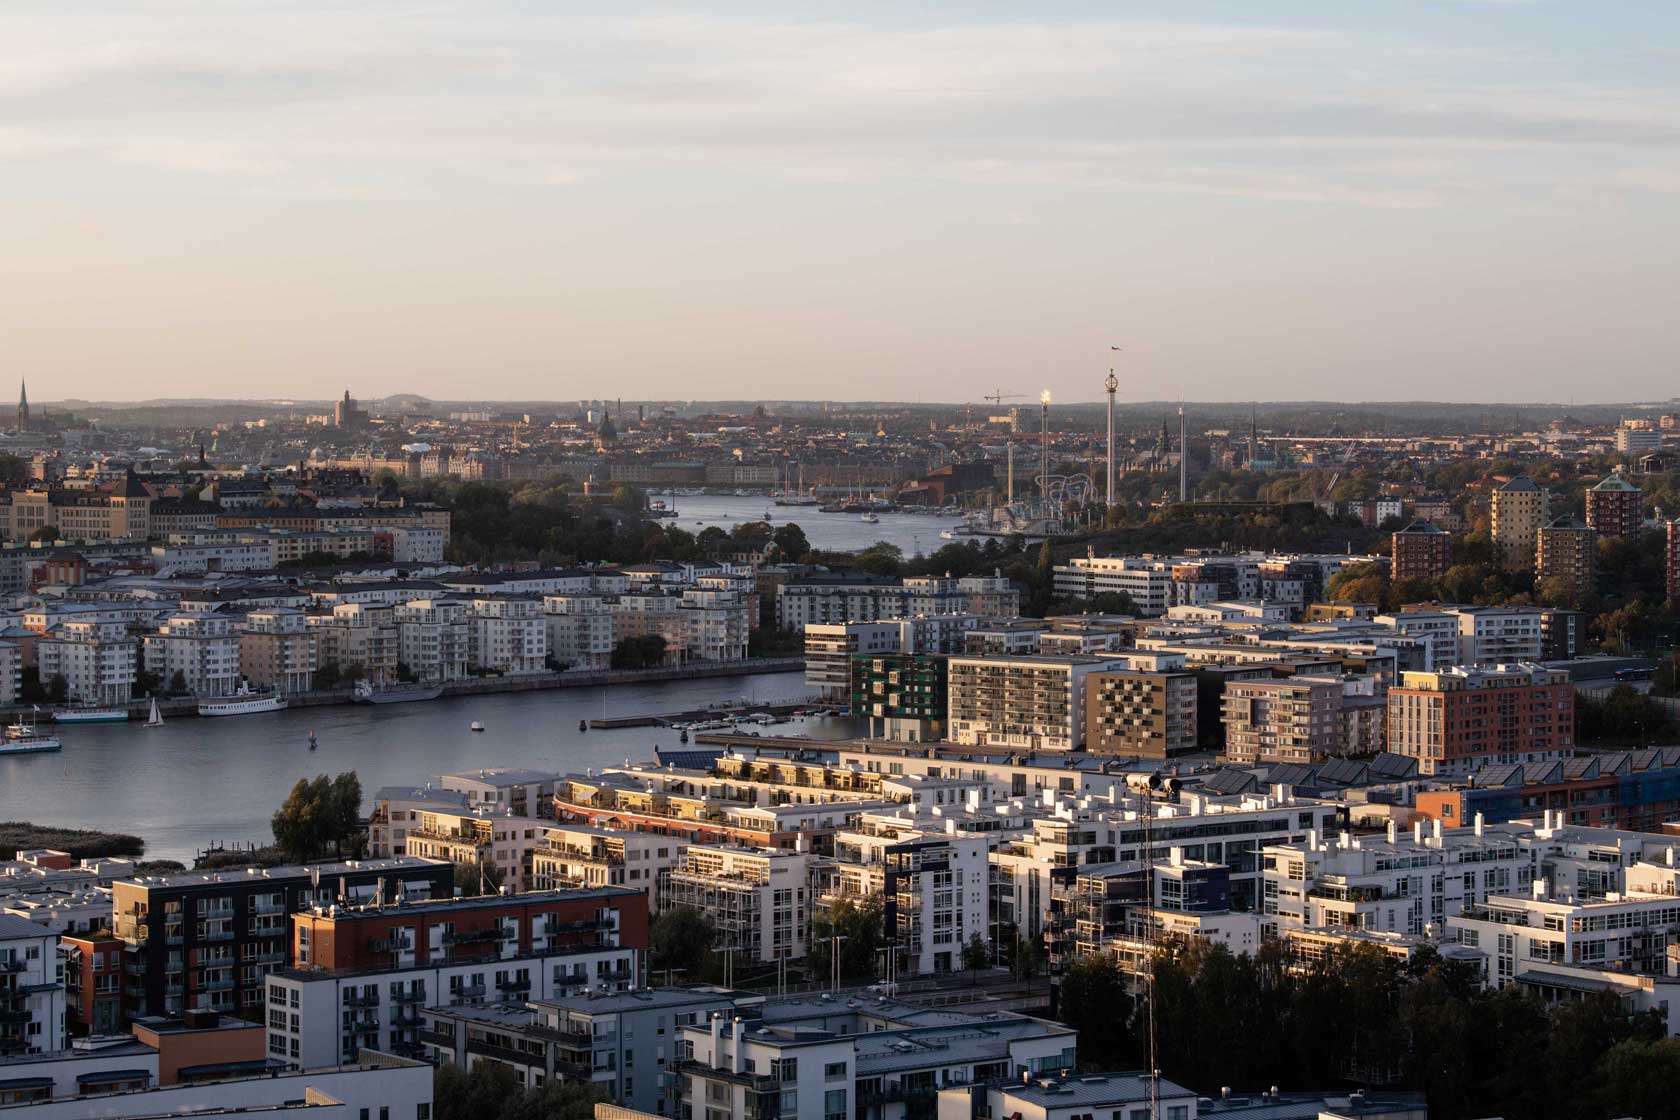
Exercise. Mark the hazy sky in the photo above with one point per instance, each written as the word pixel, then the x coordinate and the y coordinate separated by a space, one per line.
pixel 1351 199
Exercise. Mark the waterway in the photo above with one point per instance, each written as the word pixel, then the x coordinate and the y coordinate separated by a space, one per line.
pixel 915 533
pixel 193 783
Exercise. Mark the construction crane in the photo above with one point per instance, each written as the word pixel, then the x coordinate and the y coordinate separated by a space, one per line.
pixel 1000 396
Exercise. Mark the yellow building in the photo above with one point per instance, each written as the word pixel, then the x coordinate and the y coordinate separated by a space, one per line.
pixel 1519 510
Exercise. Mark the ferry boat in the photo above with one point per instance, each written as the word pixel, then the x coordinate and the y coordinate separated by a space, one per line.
pixel 22 738
pixel 366 693
pixel 90 715
pixel 242 703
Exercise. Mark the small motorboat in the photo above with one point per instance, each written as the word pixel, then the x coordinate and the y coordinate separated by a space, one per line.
pixel 870 519
pixel 583 725
pixel 475 726
pixel 311 738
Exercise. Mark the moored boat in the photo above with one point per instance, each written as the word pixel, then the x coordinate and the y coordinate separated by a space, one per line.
pixel 366 693
pixel 90 714
pixel 242 703
pixel 22 738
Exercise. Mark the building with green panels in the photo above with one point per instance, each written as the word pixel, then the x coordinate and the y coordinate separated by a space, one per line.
pixel 902 695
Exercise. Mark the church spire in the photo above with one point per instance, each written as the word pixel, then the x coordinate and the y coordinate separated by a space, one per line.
pixel 23 407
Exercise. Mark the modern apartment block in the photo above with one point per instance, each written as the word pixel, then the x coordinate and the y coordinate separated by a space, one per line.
pixel 32 1001
pixel 1151 714
pixel 1284 719
pixel 96 657
pixel 1566 550
pixel 201 647
pixel 581 855
pixel 1455 721
pixel 208 939
pixel 1519 509
pixel 1615 507
pixel 277 650
pixel 1025 702
pixel 1148 583
pixel 506 635
pixel 758 901
pixel 627 1043
pixel 580 630
pixel 934 887
pixel 364 972
pixel 830 647
pixel 501 845
pixel 903 696
pixel 1671 560
pixel 93 979
pixel 432 638
pixel 1422 550
pixel 1498 635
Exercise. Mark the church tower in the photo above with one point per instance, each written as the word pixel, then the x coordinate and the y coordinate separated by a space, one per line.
pixel 23 407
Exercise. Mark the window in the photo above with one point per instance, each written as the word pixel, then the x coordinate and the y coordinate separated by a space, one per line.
pixel 834 1104
pixel 1178 1112
pixel 834 1071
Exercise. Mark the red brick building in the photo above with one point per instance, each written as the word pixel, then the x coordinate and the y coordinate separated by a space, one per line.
pixel 1455 721
pixel 93 967
pixel 1615 507
pixel 1422 550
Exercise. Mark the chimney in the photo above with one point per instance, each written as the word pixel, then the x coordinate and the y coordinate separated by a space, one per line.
pixel 1393 829
pixel 735 1047
pixel 717 1035
pixel 1417 832
pixel 1312 839
pixel 1435 830
pixel 1347 839
pixel 1539 888
pixel 1175 856
pixel 1478 825
pixel 1669 856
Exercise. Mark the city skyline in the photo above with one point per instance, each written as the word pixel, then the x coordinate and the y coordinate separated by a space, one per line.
pixel 1452 200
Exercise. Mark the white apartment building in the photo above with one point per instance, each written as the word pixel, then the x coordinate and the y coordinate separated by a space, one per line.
pixel 506 635
pixel 417 544
pixel 1030 703
pixel 581 855
pixel 1437 630
pixel 935 887
pixel 11 672
pixel 1147 581
pixel 580 630
pixel 500 842
pixel 1520 933
pixel 432 638
pixel 714 625
pixel 1498 635
pixel 32 1000
pixel 97 658
pixel 229 551
pixel 758 901
pixel 830 647
pixel 1401 884
pixel 203 648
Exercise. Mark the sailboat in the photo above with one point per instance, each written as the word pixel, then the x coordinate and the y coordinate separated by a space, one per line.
pixel 156 717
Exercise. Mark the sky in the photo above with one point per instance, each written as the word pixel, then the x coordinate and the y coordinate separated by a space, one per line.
pixel 1278 200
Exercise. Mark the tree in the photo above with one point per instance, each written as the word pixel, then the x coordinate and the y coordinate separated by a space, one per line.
pixel 1092 998
pixel 790 541
pixel 30 689
pixel 146 682
pixel 58 689
pixel 858 923
pixel 474 878
pixel 320 814
pixel 645 651
pixel 679 938
pixel 327 677
pixel 492 1091
pixel 46 533
pixel 976 955
pixel 881 558
pixel 177 683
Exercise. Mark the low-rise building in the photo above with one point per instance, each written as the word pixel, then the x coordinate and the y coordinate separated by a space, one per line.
pixel 32 998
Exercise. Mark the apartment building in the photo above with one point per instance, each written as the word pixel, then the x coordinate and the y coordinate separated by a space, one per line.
pixel 1671 561
pixel 277 650
pixel 1146 581
pixel 934 887
pixel 364 972
pixel 506 635
pixel 359 639
pixel 581 855
pixel 1566 550
pixel 757 901
pixel 504 789
pixel 626 1044
pixel 1122 1096
pixel 32 998
pixel 499 844
pixel 1455 721
pixel 1615 507
pixel 1532 931
pixel 1287 719
pixel 1024 702
pixel 1435 630
pixel 432 638
pixel 208 939
pixel 1422 550
pixel 1402 884
pixel 1143 712
pixel 903 696
pixel 96 657
pixel 1498 635
pixel 93 979
pixel 121 512
pixel 580 631
pixel 830 647
pixel 1519 509
pixel 202 648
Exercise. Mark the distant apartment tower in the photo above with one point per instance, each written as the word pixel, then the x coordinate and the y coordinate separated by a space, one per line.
pixel 1671 562
pixel 1455 721
pixel 1615 507
pixel 1519 509
pixel 1422 550
pixel 1028 702
pixel 1638 437
pixel 1288 719
pixel 1565 550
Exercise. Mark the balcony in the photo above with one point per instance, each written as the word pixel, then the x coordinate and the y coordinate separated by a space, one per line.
pixel 409 996
pixel 406 1020
pixel 438 1038
pixel 502 1053
pixel 10 965
pixel 475 936
pixel 362 1000
pixel 223 984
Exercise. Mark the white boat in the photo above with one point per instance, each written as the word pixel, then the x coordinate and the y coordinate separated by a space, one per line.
pixel 870 519
pixel 475 726
pixel 156 717
pixel 22 738
pixel 947 534
pixel 90 715
pixel 242 703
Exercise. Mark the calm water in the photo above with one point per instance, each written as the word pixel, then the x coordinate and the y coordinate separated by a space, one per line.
pixel 912 532
pixel 197 782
